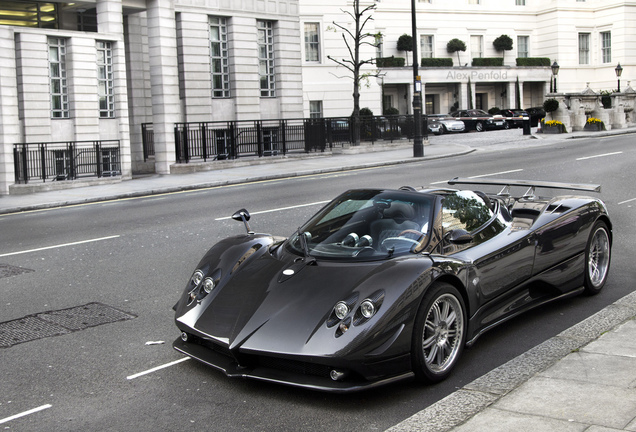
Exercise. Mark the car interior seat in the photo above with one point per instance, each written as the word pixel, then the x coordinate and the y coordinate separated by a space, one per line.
pixel 397 218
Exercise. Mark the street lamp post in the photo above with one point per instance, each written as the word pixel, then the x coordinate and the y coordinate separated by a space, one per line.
pixel 619 72
pixel 555 72
pixel 418 145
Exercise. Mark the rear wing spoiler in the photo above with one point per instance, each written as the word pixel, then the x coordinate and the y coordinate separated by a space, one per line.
pixel 530 184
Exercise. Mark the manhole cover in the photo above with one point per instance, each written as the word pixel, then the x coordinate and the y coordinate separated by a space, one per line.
pixel 55 323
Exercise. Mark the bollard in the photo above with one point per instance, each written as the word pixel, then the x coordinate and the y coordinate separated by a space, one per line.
pixel 526 126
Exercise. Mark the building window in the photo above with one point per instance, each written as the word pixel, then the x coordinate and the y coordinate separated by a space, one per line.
pixel 476 46
pixel 379 45
pixel 312 42
pixel 520 2
pixel 105 82
pixel 606 46
pixel 266 58
pixel 219 59
pixel 584 48
pixel 523 46
pixel 425 1
pixel 29 14
pixel 426 46
pixel 474 1
pixel 57 78
pixel 315 109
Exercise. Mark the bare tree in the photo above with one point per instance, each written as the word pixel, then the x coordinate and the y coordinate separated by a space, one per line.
pixel 361 16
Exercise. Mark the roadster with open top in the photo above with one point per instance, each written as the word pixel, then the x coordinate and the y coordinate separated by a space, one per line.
pixel 382 285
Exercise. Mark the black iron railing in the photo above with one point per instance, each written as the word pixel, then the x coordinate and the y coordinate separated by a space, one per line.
pixel 148 140
pixel 230 140
pixel 69 160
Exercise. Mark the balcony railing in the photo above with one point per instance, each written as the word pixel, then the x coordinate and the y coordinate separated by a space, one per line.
pixel 57 161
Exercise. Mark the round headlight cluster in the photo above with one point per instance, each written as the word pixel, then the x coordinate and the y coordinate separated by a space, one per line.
pixel 341 310
pixel 197 277
pixel 208 285
pixel 367 309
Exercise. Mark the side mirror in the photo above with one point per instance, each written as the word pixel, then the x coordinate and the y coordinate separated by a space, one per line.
pixel 459 236
pixel 244 216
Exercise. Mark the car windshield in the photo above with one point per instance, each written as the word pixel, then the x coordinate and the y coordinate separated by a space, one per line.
pixel 367 225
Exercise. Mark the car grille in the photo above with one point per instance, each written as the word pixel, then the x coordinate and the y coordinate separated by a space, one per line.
pixel 284 365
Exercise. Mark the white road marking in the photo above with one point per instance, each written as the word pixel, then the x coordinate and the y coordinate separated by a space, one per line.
pixel 278 209
pixel 483 175
pixel 625 202
pixel 58 246
pixel 25 413
pixel 598 156
pixel 137 375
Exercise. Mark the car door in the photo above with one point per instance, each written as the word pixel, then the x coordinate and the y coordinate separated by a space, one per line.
pixel 502 257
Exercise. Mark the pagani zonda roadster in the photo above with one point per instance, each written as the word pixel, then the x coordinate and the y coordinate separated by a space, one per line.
pixel 381 285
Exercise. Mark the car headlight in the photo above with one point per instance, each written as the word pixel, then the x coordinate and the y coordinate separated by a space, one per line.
pixel 208 285
pixel 367 309
pixel 197 277
pixel 341 310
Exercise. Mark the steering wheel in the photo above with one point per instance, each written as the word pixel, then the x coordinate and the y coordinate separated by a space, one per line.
pixel 398 239
pixel 411 231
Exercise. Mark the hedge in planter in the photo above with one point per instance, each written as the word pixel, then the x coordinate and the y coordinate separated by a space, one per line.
pixel 487 61
pixel 533 61
pixel 389 61
pixel 436 62
pixel 594 125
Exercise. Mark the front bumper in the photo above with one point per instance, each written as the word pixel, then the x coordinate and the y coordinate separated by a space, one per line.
pixel 313 376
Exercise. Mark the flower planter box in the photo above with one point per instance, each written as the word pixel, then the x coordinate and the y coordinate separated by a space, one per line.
pixel 552 129
pixel 593 127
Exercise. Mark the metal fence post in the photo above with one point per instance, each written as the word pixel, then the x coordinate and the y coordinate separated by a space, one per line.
pixel 283 133
pixel 98 159
pixel 204 142
pixel 43 161
pixel 259 138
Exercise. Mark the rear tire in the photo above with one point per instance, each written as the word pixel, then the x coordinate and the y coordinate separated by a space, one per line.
pixel 479 127
pixel 439 333
pixel 597 258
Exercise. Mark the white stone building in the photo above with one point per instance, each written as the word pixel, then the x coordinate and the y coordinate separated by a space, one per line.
pixel 97 70
pixel 588 38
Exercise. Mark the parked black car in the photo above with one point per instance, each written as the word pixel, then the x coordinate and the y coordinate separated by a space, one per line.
pixel 514 117
pixel 479 120
pixel 536 114
pixel 386 284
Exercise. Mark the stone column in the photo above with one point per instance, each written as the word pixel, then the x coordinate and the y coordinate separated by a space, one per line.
pixel 164 80
pixel 9 121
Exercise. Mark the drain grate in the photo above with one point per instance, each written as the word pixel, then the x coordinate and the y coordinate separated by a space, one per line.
pixel 55 323
pixel 6 270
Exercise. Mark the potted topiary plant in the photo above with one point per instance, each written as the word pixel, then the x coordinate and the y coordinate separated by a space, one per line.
pixel 456 45
pixel 405 43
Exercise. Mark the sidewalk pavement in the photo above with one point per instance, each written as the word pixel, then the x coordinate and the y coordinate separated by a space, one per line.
pixel 583 379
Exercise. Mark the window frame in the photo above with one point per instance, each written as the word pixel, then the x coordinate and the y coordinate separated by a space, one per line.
pixel 313 112
pixel 312 42
pixel 606 46
pixel 266 63
pixel 58 83
pixel 105 79
pixel 481 46
pixel 584 51
pixel 219 57
pixel 525 45
pixel 429 44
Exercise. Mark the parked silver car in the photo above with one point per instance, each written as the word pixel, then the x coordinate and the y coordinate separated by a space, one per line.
pixel 441 123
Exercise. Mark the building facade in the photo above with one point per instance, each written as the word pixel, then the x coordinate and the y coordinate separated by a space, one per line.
pixel 104 70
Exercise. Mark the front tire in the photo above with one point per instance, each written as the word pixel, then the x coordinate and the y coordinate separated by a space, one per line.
pixel 597 258
pixel 479 127
pixel 439 333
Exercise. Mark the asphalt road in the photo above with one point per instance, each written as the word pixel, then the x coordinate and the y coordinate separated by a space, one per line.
pixel 136 255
